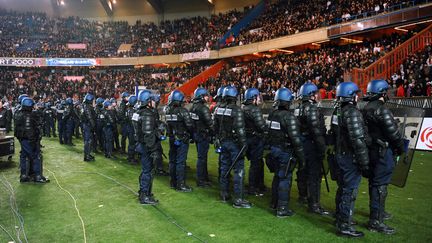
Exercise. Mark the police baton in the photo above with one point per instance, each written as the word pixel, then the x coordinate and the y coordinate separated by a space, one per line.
pixel 325 176
pixel 235 160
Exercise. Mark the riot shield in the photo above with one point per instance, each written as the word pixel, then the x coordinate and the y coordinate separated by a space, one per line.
pixel 413 117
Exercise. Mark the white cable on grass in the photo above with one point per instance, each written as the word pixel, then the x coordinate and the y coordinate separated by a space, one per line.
pixel 171 219
pixel 75 205
pixel 7 232
pixel 15 211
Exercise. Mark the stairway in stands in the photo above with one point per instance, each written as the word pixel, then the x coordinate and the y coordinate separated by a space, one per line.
pixel 243 23
pixel 189 87
pixel 387 65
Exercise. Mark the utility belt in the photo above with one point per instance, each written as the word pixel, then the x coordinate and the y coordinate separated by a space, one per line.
pixel 282 145
pixel 382 146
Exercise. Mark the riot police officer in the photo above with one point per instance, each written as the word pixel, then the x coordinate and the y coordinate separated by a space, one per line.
pixel 386 141
pixel 28 134
pixel 180 130
pixel 99 118
pixel 203 122
pixel 230 129
pixel 18 104
pixel 49 118
pixel 88 121
pixel 113 110
pixel 122 120
pixel 255 127
pixel 61 124
pixel 108 122
pixel 286 149
pixel 313 135
pixel 69 118
pixel 351 155
pixel 213 107
pixel 145 127
pixel 162 127
pixel 129 128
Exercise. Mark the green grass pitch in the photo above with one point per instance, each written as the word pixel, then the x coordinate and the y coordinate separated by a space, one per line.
pixel 105 194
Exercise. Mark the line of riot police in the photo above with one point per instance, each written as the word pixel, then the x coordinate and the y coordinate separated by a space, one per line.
pixel 362 143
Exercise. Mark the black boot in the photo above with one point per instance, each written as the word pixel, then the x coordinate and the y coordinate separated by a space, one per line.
pixel 346 229
pixel 377 226
pixel 202 183
pixel 88 158
pixel 161 172
pixel 41 179
pixel 183 188
pixel 24 178
pixel 224 196
pixel 376 220
pixel 147 199
pixel 241 203
pixel 283 212
pixel 173 184
pixel 317 209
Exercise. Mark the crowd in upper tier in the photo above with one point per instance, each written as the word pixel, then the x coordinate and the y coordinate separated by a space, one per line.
pixel 38 35
pixel 326 66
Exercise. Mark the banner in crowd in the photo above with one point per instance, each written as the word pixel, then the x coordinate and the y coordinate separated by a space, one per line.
pixel 168 45
pixel 10 61
pixel 80 46
pixel 256 31
pixel 159 75
pixel 72 62
pixel 424 141
pixel 74 78
pixel 195 55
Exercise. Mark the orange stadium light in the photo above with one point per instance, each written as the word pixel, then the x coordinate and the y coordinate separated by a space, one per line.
pixel 351 40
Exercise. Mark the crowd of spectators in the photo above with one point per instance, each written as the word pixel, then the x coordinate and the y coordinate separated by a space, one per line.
pixel 106 83
pixel 326 66
pixel 414 78
pixel 287 17
pixel 38 35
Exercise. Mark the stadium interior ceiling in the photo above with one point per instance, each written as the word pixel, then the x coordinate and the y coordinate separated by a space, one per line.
pixel 128 10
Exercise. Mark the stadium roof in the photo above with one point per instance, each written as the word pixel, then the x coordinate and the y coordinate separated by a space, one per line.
pixel 118 8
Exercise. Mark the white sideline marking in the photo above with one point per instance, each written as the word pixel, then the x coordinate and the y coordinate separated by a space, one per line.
pixel 75 205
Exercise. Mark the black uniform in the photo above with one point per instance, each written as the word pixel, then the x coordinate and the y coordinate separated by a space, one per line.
pixel 180 129
pixel 255 127
pixel 157 157
pixel 88 121
pixel 203 122
pixel 108 127
pixel 145 126
pixel 286 147
pixel 49 120
pixel 313 132
pixel 99 131
pixel 229 126
pixel 122 120
pixel 386 141
pixel 351 159
pixel 114 115
pixel 28 133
